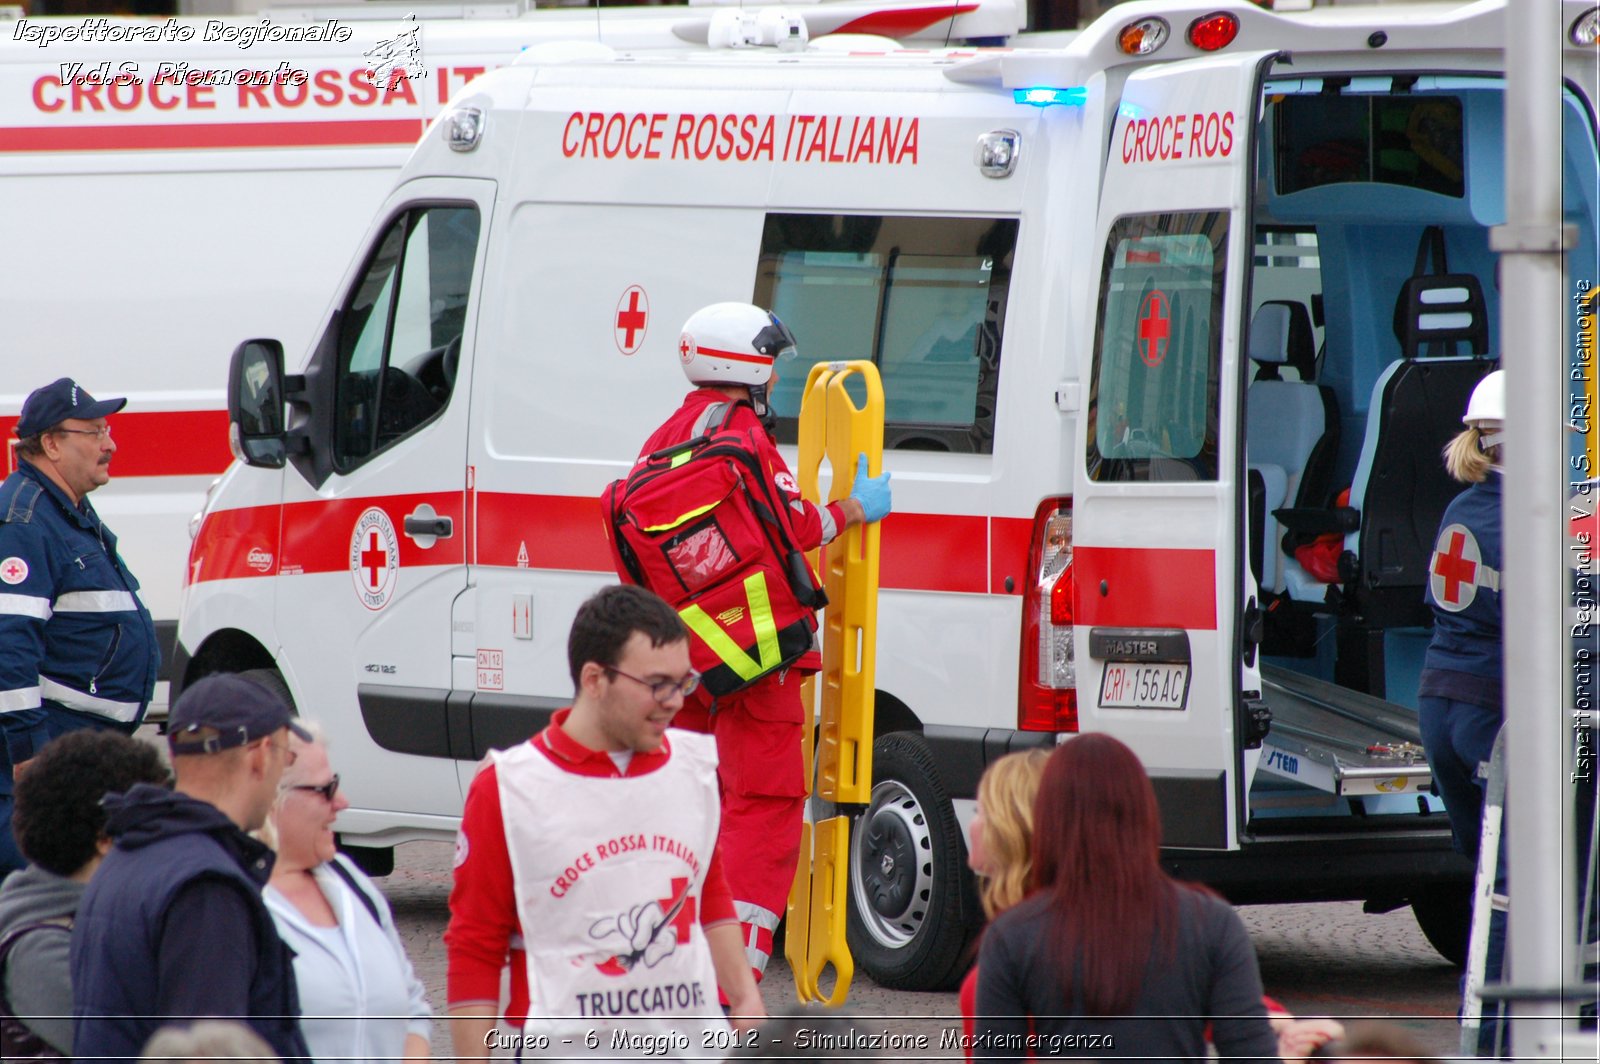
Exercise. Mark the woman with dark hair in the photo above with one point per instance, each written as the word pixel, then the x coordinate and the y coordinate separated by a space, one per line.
pixel 1110 957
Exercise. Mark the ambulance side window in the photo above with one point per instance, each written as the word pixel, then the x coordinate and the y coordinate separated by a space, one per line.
pixel 400 339
pixel 923 298
pixel 1158 341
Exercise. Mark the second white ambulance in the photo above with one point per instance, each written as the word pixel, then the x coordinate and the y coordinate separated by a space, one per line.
pixel 1145 308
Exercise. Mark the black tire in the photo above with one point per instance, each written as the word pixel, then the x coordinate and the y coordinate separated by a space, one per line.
pixel 374 861
pixel 913 910
pixel 1445 916
pixel 272 680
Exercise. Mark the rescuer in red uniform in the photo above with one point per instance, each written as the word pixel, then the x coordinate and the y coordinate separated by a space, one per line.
pixel 728 351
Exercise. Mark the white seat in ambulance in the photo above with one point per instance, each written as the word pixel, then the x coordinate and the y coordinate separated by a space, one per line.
pixel 1291 426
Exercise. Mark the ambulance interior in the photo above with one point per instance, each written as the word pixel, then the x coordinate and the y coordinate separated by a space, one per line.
pixel 1375 311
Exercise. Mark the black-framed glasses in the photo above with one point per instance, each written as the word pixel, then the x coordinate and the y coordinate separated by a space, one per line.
pixel 663 690
pixel 327 790
pixel 101 433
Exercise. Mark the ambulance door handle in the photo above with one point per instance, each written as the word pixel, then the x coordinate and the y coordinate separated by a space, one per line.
pixel 425 527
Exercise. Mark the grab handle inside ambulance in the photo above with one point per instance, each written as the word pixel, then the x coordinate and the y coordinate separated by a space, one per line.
pixel 834 427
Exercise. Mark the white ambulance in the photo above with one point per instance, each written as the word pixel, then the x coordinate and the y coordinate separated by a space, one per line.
pixel 1145 307
pixel 199 179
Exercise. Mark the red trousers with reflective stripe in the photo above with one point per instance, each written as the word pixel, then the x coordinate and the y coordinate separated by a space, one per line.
pixel 758 732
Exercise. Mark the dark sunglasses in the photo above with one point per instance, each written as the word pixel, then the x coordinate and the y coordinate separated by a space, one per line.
pixel 327 790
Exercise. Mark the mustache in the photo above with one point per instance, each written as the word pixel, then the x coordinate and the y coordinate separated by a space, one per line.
pixel 104 460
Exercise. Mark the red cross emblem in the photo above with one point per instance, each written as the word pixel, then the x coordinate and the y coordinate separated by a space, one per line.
pixel 13 570
pixel 1453 572
pixel 682 920
pixel 374 560
pixel 633 315
pixel 1155 328
pixel 685 347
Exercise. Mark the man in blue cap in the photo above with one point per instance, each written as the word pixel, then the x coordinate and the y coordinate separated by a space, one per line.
pixel 172 925
pixel 77 646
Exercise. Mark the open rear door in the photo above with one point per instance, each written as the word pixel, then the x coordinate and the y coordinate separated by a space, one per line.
pixel 1158 542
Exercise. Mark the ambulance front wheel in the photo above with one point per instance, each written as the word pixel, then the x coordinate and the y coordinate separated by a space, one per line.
pixel 913 909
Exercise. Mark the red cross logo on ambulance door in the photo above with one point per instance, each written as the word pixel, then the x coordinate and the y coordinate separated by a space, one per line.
pixel 374 558
pixel 1155 328
pixel 633 318
pixel 1456 569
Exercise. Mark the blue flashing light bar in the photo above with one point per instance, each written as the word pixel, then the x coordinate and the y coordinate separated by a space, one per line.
pixel 1042 97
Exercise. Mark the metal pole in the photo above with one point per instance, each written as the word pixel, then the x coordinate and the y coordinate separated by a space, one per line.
pixel 1533 348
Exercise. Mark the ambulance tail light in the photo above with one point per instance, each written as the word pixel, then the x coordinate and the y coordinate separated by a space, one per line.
pixel 1211 32
pixel 1144 36
pixel 1047 692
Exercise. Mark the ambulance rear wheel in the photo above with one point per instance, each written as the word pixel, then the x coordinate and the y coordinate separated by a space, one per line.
pixel 912 909
pixel 1445 916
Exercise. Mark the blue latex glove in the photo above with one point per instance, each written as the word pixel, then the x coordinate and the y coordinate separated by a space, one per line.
pixel 871 492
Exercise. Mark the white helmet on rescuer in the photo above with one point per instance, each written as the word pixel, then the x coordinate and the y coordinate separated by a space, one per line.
pixel 1486 410
pixel 734 344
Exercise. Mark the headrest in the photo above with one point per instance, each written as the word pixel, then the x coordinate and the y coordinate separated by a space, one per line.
pixel 1442 309
pixel 1280 334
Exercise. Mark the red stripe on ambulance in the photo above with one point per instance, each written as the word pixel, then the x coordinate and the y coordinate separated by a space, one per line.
pixel 905 21
pixel 563 533
pixel 1145 587
pixel 170 443
pixel 391 131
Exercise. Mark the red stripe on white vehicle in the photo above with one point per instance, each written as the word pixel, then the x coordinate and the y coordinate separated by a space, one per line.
pixel 1144 587
pixel 375 132
pixel 902 22
pixel 162 443
pixel 920 552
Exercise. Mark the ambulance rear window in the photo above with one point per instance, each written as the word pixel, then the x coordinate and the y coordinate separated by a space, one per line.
pixel 923 298
pixel 1153 393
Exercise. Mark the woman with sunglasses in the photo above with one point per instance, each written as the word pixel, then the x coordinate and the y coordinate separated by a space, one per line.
pixel 359 996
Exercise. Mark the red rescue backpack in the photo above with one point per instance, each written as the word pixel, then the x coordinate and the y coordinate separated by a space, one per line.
pixel 702 525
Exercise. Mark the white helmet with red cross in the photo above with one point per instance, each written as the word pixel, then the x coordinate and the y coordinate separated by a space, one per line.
pixel 733 343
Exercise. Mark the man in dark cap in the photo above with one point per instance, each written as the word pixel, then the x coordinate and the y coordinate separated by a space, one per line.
pixel 172 925
pixel 77 646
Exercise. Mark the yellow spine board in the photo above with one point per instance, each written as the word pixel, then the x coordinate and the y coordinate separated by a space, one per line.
pixel 832 426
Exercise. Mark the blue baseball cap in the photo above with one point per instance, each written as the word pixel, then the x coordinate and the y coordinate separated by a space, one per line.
pixel 224 710
pixel 49 406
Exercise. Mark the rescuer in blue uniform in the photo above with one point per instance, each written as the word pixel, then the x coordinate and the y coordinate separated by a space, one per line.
pixel 1460 699
pixel 77 646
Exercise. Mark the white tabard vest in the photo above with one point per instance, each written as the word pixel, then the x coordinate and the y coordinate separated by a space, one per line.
pixel 608 876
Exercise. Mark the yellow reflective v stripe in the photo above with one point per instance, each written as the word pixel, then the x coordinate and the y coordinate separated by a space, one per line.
pixel 681 518
pixel 722 644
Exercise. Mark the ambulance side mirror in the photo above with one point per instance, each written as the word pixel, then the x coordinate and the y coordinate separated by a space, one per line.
pixel 256 424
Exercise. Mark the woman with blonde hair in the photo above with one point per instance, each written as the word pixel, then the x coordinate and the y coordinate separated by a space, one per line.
pixel 1459 699
pixel 1001 847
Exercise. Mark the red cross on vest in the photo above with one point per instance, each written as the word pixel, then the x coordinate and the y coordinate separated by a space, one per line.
pixel 683 917
pixel 1155 328
pixel 1456 570
pixel 374 560
pixel 13 571
pixel 633 313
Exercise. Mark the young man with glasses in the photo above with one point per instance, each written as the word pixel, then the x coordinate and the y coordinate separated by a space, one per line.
pixel 589 855
pixel 77 646
pixel 173 925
